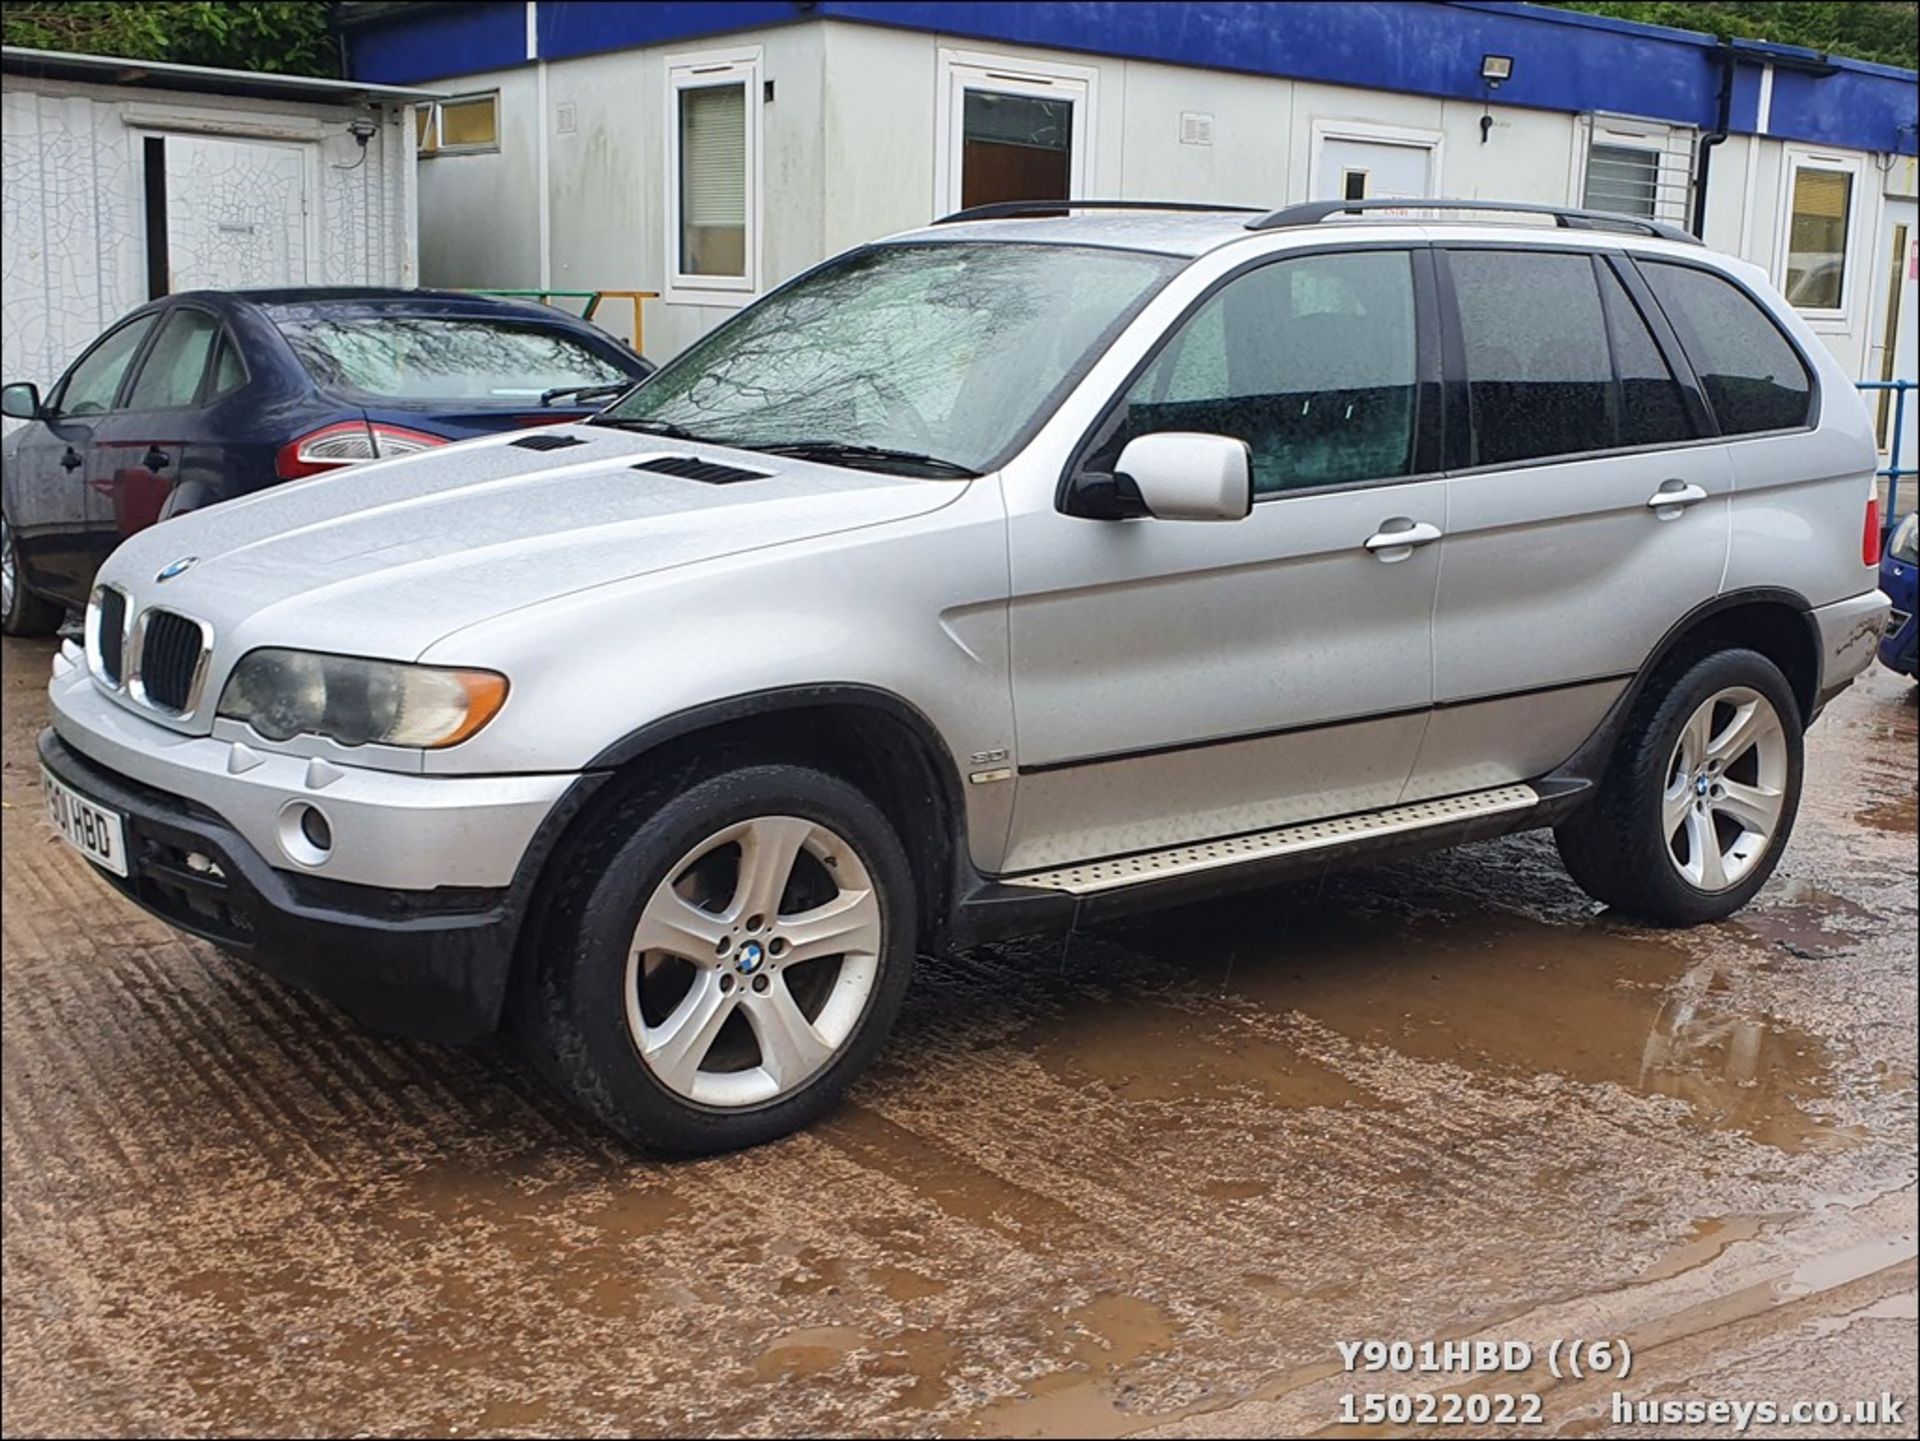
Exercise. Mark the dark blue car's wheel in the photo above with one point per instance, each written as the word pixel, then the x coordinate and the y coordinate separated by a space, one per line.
pixel 21 611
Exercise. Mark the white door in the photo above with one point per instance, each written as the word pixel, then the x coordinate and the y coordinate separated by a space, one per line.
pixel 1891 347
pixel 1351 169
pixel 236 213
pixel 1013 132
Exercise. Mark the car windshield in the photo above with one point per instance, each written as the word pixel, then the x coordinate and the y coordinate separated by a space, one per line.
pixel 920 358
pixel 470 359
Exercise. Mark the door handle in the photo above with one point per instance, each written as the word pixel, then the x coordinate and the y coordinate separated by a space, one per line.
pixel 1384 542
pixel 1675 495
pixel 71 460
pixel 154 459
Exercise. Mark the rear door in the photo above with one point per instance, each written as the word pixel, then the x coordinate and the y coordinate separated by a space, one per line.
pixel 1589 511
pixel 52 495
pixel 139 445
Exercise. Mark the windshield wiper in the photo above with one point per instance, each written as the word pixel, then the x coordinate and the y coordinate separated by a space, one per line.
pixel 846 453
pixel 652 427
pixel 587 392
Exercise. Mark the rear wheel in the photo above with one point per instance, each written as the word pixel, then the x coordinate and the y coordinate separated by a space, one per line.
pixel 725 959
pixel 1698 802
pixel 21 611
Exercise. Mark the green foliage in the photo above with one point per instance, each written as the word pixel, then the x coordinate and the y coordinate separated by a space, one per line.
pixel 1883 30
pixel 290 37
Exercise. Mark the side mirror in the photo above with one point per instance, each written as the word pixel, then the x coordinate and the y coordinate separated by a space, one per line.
pixel 20 401
pixel 1181 475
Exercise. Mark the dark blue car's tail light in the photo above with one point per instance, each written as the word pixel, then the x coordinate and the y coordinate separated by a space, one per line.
pixel 349 442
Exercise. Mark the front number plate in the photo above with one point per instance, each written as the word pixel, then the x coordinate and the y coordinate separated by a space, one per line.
pixel 93 830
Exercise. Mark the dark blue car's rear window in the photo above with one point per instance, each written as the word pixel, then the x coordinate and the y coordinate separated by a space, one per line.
pixel 469 359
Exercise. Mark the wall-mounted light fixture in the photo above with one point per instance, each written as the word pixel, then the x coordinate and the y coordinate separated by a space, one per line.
pixel 1495 71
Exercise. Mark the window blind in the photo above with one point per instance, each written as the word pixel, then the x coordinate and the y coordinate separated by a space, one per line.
pixel 713 156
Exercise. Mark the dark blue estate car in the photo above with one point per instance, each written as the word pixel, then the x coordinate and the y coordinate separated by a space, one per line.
pixel 1900 578
pixel 207 395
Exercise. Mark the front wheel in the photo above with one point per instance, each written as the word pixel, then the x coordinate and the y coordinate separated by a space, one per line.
pixel 1700 797
pixel 724 959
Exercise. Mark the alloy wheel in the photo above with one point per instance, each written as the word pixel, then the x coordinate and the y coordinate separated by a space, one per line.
pixel 1726 788
pixel 752 962
pixel 8 573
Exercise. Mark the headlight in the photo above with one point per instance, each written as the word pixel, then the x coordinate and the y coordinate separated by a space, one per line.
pixel 1906 540
pixel 285 693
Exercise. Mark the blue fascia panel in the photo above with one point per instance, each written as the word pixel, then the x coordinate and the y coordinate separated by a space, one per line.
pixel 434 42
pixel 1563 60
pixel 591 27
pixel 1847 109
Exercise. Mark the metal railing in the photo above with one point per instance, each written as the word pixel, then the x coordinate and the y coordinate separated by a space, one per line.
pixel 1896 391
pixel 591 299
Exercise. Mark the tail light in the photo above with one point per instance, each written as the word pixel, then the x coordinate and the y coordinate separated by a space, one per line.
pixel 1870 537
pixel 348 443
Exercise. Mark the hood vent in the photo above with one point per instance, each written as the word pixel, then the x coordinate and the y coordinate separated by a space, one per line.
pixel 706 472
pixel 546 442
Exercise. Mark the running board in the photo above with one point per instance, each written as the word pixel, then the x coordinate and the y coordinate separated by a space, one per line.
pixel 1093 877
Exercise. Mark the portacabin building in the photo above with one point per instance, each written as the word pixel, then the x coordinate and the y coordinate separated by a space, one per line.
pixel 710 150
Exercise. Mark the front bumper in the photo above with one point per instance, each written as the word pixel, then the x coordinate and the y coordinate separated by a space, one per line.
pixel 391 829
pixel 430 961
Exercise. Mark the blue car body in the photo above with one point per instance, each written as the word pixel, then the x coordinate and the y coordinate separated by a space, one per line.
pixel 1900 579
pixel 255 406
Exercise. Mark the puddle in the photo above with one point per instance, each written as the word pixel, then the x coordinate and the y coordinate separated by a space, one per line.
pixel 1598 1004
pixel 1806 922
pixel 1143 1048
pixel 1710 1238
pixel 1087 1396
pixel 807 1352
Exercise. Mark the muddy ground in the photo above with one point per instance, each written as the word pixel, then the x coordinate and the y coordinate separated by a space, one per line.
pixel 1143 1182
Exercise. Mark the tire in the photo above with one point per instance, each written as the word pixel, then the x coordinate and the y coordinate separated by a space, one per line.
pixel 662 1000
pixel 21 611
pixel 1679 832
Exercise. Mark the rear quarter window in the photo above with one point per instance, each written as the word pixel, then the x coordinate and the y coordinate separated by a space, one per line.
pixel 1753 378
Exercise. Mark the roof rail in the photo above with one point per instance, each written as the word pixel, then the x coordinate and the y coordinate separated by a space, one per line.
pixel 1565 217
pixel 1013 209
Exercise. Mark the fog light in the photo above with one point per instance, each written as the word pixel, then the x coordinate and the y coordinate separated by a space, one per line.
pixel 204 865
pixel 314 827
pixel 305 833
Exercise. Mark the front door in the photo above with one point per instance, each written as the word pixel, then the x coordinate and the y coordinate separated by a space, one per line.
pixel 1014 132
pixel 52 512
pixel 1176 681
pixel 1590 514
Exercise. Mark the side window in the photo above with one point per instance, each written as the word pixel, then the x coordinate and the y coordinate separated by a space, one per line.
pixel 170 376
pixel 1309 361
pixel 91 385
pixel 1651 407
pixel 1753 378
pixel 1539 378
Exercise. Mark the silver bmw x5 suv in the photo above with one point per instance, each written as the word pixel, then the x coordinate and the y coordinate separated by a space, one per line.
pixel 995 577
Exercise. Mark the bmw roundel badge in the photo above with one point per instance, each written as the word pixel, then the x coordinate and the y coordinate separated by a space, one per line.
pixel 178 567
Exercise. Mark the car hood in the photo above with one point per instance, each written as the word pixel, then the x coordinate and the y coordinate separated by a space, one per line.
pixel 388 557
